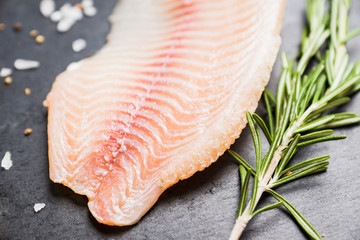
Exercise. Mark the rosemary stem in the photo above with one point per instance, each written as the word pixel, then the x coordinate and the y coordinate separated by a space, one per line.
pixel 240 224
pixel 265 181
pixel 244 218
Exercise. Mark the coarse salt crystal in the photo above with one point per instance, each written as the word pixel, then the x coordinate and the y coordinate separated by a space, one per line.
pixel 39 206
pixel 90 11
pixel 65 24
pixel 6 162
pixel 75 13
pixel 79 45
pixel 56 16
pixel 4 72
pixel 65 8
pixel 70 14
pixel 47 7
pixel 88 7
pixel 87 3
pixel 22 64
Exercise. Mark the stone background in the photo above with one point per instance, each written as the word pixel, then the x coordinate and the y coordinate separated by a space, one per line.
pixel 202 207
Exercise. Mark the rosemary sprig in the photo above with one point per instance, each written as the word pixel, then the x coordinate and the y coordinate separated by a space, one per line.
pixel 300 114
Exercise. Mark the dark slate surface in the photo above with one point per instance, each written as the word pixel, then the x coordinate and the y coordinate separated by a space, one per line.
pixel 202 207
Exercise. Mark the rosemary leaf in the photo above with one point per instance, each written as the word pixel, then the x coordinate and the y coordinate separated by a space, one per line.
pixel 267 95
pixel 271 152
pixel 268 207
pixel 314 124
pixel 302 173
pixel 341 123
pixel 254 192
pixel 244 192
pixel 242 172
pixel 331 105
pixel 296 214
pixel 288 155
pixel 351 35
pixel 317 134
pixel 322 139
pixel 341 89
pixel 270 96
pixel 263 127
pixel 256 138
pixel 305 163
pixel 280 96
pixel 242 161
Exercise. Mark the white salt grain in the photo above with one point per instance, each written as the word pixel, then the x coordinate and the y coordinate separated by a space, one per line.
pixel 6 162
pixel 56 16
pixel 70 14
pixel 87 3
pixel 75 13
pixel 90 11
pixel 47 7
pixel 39 206
pixel 65 8
pixel 79 45
pixel 22 64
pixel 4 72
pixel 65 24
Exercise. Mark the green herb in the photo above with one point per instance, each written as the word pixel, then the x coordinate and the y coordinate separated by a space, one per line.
pixel 300 114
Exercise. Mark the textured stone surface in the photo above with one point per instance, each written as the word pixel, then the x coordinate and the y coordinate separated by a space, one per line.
pixel 202 207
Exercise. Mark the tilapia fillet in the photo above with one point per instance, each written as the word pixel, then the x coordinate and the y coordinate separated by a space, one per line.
pixel 164 98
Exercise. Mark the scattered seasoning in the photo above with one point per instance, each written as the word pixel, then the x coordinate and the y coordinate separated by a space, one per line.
pixel 8 80
pixel 39 206
pixel 33 33
pixel 40 39
pixel 27 91
pixel 64 25
pixel 6 162
pixel 22 64
pixel 88 7
pixel 47 7
pixel 17 27
pixel 87 3
pixel 79 45
pixel 90 11
pixel 56 16
pixel 4 72
pixel 288 173
pixel 2 27
pixel 323 235
pixel 27 131
pixel 70 15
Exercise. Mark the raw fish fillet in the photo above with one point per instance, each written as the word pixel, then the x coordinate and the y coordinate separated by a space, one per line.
pixel 163 99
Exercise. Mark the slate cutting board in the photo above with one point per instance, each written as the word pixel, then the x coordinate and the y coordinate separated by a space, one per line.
pixel 202 207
